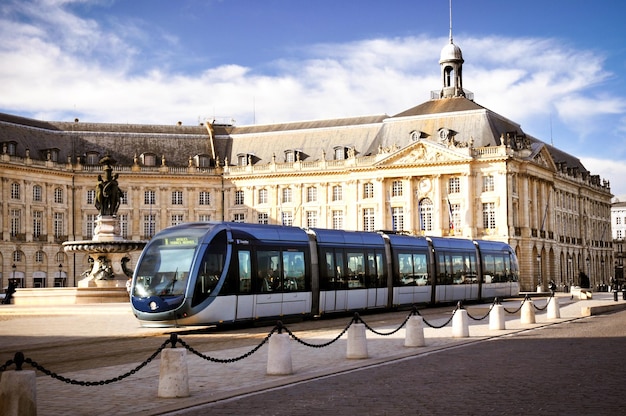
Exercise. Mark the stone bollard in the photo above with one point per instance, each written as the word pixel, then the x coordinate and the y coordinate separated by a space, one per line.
pixel 496 318
pixel 415 332
pixel 528 312
pixel 553 308
pixel 18 393
pixel 174 375
pixel 460 325
pixel 279 356
pixel 357 342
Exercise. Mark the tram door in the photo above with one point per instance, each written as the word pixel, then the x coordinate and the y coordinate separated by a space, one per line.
pixel 333 281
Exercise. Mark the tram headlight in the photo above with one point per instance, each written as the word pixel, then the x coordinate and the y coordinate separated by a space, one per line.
pixel 153 306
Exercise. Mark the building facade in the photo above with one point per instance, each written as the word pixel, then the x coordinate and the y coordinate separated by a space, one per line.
pixel 618 227
pixel 446 167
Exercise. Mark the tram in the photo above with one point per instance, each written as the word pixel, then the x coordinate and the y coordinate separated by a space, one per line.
pixel 223 272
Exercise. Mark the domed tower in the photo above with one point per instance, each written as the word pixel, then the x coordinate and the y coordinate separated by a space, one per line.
pixel 451 62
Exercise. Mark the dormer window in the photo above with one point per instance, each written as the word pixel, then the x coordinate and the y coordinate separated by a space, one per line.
pixel 202 161
pixel 148 159
pixel 92 158
pixel 51 154
pixel 242 159
pixel 340 152
pixel 9 148
pixel 292 155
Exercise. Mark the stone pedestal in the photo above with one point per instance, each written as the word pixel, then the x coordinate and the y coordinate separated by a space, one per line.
pixel 109 250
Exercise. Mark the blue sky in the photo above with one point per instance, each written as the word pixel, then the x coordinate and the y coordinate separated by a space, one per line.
pixel 556 67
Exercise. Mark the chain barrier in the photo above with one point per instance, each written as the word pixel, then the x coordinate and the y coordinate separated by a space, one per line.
pixel 546 305
pixel 19 360
pixel 494 303
pixel 326 344
pixel 439 326
pixel 385 334
pixel 230 360
pixel 520 306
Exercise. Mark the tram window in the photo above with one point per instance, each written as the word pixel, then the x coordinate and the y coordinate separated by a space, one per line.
pixel 497 268
pixel 500 270
pixel 444 265
pixel 327 272
pixel 463 266
pixel 413 269
pixel 245 267
pixel 374 275
pixel 405 268
pixel 356 270
pixel 164 271
pixel 210 270
pixel 488 269
pixel 341 281
pixel 293 264
pixel 269 272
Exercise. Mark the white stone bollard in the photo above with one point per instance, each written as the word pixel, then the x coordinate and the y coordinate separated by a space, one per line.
pixel 496 318
pixel 553 308
pixel 528 312
pixel 174 375
pixel 415 332
pixel 460 324
pixel 18 393
pixel 279 356
pixel 357 342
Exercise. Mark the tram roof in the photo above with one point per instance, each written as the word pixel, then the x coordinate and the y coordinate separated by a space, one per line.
pixel 268 232
pixel 326 236
pixel 452 243
pixel 492 245
pixel 399 240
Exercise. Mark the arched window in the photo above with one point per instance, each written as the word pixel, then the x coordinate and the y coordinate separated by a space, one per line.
pixel 426 214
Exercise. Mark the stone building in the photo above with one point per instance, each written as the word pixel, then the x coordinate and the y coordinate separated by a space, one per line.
pixel 446 167
pixel 618 228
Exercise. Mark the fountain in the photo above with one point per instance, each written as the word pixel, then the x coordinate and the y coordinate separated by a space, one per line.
pixel 108 250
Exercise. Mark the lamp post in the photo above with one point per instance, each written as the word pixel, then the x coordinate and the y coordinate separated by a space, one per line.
pixel 569 271
pixel 61 274
pixel 539 285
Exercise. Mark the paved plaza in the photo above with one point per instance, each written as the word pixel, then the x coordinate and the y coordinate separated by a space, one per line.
pixel 314 369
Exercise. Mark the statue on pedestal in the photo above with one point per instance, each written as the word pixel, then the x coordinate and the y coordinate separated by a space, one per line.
pixel 108 192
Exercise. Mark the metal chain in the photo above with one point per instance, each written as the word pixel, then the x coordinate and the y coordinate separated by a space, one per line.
pixel 5 365
pixel 326 344
pixel 228 360
pixel 388 333
pixel 518 309
pixel 439 326
pixel 547 303
pixel 94 383
pixel 486 315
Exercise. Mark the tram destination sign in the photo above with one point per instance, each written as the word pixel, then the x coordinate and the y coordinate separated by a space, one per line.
pixel 180 241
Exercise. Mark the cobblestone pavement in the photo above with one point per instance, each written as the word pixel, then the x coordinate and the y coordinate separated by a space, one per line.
pixel 561 366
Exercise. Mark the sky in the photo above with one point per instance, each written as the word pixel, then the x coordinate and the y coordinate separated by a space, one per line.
pixel 556 67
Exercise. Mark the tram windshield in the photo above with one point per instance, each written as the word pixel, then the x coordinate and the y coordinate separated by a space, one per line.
pixel 165 266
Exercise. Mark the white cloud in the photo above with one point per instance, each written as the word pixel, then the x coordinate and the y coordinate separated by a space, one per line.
pixel 56 65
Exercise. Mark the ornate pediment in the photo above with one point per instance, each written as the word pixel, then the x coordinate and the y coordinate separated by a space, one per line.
pixel 543 158
pixel 425 152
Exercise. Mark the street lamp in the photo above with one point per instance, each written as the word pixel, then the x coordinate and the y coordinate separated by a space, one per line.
pixel 61 274
pixel 569 270
pixel 539 285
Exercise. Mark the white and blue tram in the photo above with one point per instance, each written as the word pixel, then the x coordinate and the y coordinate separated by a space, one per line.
pixel 218 272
